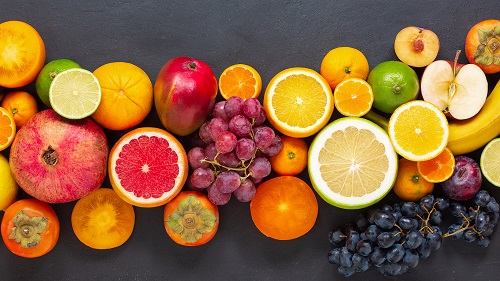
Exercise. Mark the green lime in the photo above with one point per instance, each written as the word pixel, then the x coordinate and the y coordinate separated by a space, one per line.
pixel 75 93
pixel 47 75
pixel 393 83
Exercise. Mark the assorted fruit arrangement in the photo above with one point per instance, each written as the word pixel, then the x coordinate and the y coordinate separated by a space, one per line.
pixel 398 132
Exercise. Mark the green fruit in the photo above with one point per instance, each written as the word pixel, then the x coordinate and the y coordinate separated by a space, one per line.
pixel 393 83
pixel 48 73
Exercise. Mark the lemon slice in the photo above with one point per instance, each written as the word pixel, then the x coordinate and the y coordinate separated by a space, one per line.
pixel 490 162
pixel 75 93
pixel 352 163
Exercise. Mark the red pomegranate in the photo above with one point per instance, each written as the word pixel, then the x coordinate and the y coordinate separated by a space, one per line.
pixel 58 160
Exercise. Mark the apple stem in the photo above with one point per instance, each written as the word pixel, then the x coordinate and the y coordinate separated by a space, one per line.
pixel 455 62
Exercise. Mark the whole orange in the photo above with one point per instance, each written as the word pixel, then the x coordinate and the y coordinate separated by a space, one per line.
pixel 127 95
pixel 292 159
pixel 410 185
pixel 22 105
pixel 342 63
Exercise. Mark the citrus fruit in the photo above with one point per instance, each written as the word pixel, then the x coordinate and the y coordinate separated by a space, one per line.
pixel 410 185
pixel 47 75
pixel 102 220
pixel 22 54
pixel 284 208
pixel 191 219
pixel 490 162
pixel 240 80
pixel 439 168
pixel 7 128
pixel 298 102
pixel 393 83
pixel 342 63
pixel 292 158
pixel 127 95
pixel 22 105
pixel 353 97
pixel 147 167
pixel 8 186
pixel 418 130
pixel 352 163
pixel 75 93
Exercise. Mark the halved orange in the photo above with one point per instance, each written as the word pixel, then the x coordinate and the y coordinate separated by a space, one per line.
pixel 147 167
pixel 240 80
pixel 439 168
pixel 353 97
pixel 284 208
pixel 418 130
pixel 298 102
pixel 7 128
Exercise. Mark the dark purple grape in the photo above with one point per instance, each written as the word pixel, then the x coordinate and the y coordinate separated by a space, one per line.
pixel 216 127
pixel 413 239
pixel 240 126
pixel 482 221
pixel 454 231
pixel 196 155
pixel 219 112
pixel 233 106
pixel 202 177
pixel 274 148
pixel 226 142
pixel 386 239
pixel 364 247
pixel 352 239
pixel 345 257
pixel 245 149
pixel 216 196
pixel 411 258
pixel 251 108
pixel 227 181
pixel 395 253
pixel 409 209
pixel 372 232
pixel 436 217
pixel 407 223
pixel 383 219
pixel 362 222
pixel 260 167
pixel 492 205
pixel 484 241
pixel 204 132
pixel 360 263
pixel 246 191
pixel 470 235
pixel 333 256
pixel 263 136
pixel 377 257
pixel 336 237
pixel 482 198
pixel 442 203
pixel 427 202
pixel 190 186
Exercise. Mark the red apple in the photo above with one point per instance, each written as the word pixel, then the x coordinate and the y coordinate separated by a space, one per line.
pixel 184 94
pixel 459 90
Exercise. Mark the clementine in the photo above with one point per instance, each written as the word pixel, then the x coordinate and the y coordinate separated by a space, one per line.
pixel 22 105
pixel 342 63
pixel 410 185
pixel 292 159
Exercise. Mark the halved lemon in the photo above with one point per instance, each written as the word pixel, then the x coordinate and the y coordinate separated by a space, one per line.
pixel 352 163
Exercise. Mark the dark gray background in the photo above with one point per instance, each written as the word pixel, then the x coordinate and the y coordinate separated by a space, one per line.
pixel 270 37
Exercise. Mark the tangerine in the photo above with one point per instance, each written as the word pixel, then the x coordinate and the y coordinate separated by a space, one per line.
pixel 284 208
pixel 292 158
pixel 22 105
pixel 342 63
pixel 410 185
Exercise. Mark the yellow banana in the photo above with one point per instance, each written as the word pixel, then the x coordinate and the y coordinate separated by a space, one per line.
pixel 470 134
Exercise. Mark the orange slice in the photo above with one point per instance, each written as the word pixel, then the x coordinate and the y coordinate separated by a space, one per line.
pixel 353 97
pixel 240 80
pixel 147 167
pixel 7 128
pixel 298 102
pixel 439 168
pixel 418 130
pixel 284 208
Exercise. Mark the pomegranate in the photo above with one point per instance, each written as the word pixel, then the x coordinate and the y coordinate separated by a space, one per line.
pixel 58 160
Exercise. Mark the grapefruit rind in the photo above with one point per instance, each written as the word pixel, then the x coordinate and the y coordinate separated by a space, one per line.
pixel 129 196
pixel 321 185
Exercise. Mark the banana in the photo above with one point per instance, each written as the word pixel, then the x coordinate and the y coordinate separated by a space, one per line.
pixel 468 135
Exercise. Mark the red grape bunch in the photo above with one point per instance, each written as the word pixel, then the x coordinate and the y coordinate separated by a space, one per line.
pixel 234 157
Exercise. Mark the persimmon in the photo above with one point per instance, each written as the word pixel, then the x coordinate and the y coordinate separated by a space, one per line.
pixel 482 45
pixel 22 54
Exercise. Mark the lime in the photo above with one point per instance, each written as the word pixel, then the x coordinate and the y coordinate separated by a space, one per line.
pixel 75 93
pixel 490 162
pixel 48 73
pixel 8 186
pixel 393 83
pixel 352 163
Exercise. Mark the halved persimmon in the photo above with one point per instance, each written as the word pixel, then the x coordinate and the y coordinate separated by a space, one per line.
pixel 102 220
pixel 191 219
pixel 22 54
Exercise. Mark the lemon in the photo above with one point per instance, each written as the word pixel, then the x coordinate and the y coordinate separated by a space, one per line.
pixel 47 75
pixel 352 163
pixel 8 186
pixel 490 162
pixel 75 93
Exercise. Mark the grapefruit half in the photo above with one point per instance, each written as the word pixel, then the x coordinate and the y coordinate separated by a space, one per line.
pixel 147 167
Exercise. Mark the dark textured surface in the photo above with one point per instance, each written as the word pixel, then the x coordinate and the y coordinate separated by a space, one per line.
pixel 270 37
